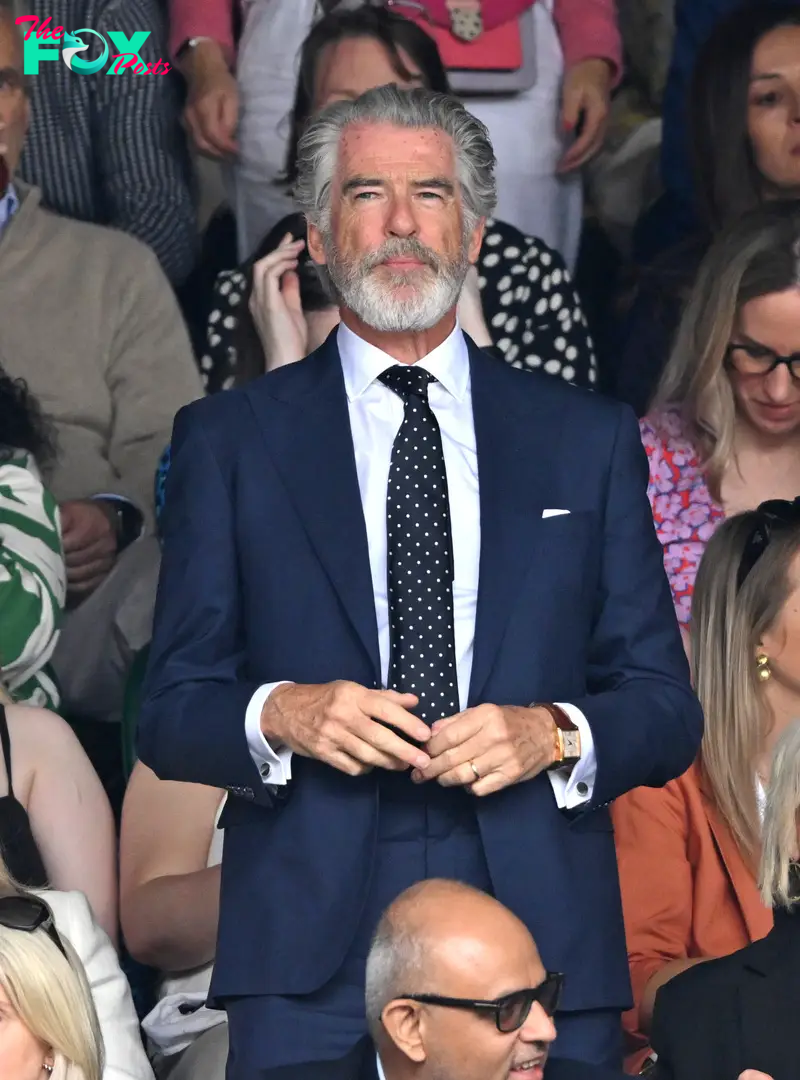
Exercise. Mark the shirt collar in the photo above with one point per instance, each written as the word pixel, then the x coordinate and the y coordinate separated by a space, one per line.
pixel 381 1073
pixel 9 204
pixel 362 363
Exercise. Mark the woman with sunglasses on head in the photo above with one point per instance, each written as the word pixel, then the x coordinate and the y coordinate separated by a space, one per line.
pixel 724 431
pixel 66 1011
pixel 688 853
pixel 744 136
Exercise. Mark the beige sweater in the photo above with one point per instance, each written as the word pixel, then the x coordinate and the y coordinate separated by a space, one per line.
pixel 88 319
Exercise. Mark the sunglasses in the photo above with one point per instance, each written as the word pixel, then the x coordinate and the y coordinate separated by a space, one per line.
pixel 511 1011
pixel 22 911
pixel 771 516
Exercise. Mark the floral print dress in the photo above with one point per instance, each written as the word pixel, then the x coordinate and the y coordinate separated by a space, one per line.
pixel 684 512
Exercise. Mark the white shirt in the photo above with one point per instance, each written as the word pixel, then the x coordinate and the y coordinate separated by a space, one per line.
pixel 376 414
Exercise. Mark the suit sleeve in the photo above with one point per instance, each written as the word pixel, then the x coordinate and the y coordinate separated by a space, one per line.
pixel 192 724
pixel 645 719
pixel 650 829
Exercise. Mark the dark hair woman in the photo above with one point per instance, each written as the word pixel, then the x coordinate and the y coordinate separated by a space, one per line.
pixel 745 147
pixel 32 582
pixel 270 311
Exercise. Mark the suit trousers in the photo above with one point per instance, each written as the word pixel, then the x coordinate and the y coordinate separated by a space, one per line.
pixel 424 832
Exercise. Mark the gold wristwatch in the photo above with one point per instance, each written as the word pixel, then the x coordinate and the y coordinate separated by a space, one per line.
pixel 566 734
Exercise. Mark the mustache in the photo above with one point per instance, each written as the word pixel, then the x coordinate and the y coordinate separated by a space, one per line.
pixel 399 248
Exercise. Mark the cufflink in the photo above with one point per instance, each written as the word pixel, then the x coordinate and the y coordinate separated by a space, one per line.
pixel 265 770
pixel 581 788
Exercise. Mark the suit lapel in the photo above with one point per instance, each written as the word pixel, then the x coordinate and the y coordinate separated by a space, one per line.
pixel 305 423
pixel 767 1010
pixel 514 444
pixel 757 918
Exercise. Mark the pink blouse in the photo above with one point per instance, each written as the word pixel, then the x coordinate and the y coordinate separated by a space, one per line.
pixel 683 510
pixel 587 28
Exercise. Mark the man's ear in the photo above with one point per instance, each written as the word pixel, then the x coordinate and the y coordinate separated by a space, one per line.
pixel 402 1020
pixel 316 248
pixel 476 240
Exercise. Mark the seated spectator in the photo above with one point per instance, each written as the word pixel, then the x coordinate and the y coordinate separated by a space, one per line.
pixel 112 150
pixel 170 854
pixel 56 826
pixel 688 853
pixel 572 63
pixel 32 573
pixel 519 300
pixel 88 319
pixel 736 1017
pixel 455 987
pixel 722 434
pixel 35 926
pixel 743 131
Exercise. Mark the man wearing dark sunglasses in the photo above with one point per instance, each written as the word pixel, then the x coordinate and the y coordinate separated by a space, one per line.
pixel 455 990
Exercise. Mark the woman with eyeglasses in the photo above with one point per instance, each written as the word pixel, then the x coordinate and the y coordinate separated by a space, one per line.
pixel 724 431
pixel 66 1011
pixel 688 853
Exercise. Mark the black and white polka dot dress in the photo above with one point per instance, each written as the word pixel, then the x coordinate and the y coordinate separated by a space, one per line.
pixel 529 304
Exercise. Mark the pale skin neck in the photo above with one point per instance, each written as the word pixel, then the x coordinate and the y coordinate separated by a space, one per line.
pixel 406 347
pixel 784 707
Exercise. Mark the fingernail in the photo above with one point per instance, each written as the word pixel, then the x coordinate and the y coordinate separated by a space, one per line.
pixel 417 777
pixel 423 761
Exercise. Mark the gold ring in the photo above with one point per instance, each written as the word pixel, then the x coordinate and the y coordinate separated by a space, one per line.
pixel 474 768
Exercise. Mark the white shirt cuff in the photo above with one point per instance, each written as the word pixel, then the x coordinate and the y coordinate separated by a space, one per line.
pixel 573 787
pixel 275 766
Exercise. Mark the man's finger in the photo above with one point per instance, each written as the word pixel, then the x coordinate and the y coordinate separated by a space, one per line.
pixel 95 550
pixel 377 706
pixel 455 761
pixel 389 743
pixel 346 764
pixel 463 727
pixel 197 135
pixel 80 575
pixel 369 753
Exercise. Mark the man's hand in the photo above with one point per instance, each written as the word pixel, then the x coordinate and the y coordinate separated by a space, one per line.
pixel 586 98
pixel 90 544
pixel 337 723
pixel 506 744
pixel 276 307
pixel 212 102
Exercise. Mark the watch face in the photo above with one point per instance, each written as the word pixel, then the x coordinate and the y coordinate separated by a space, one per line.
pixel 572 744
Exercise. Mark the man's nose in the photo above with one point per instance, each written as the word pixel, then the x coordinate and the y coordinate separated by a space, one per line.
pixel 402 221
pixel 538 1026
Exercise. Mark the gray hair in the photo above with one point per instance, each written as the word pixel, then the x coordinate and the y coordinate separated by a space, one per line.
pixel 394 963
pixel 318 148
pixel 780 837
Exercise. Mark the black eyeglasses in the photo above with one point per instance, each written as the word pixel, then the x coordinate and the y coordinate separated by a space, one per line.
pixel 510 1012
pixel 775 514
pixel 754 359
pixel 23 911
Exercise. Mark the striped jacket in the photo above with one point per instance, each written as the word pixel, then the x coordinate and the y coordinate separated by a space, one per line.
pixel 32 581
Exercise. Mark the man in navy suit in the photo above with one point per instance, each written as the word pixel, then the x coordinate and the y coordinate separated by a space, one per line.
pixel 412 615
pixel 455 990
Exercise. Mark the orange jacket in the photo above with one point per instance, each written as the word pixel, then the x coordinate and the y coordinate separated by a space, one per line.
pixel 686 890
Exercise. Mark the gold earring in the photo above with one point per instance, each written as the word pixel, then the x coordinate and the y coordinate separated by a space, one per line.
pixel 762 667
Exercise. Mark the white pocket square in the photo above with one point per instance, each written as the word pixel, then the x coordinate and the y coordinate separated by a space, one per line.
pixel 553 513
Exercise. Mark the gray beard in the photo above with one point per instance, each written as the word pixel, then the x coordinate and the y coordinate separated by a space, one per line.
pixel 357 288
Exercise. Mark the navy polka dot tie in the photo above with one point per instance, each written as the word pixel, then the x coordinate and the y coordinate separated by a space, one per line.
pixel 422 657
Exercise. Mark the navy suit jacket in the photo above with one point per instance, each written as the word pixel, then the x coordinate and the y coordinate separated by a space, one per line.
pixel 361 1064
pixel 266 576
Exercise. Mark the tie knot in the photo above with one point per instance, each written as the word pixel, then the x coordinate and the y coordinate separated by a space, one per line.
pixel 408 379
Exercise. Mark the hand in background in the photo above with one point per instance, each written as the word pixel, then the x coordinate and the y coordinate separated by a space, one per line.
pixel 212 102
pixel 586 96
pixel 276 307
pixel 345 725
pixel 90 544
pixel 470 310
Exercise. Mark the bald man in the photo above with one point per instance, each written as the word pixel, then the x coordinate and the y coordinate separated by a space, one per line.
pixel 455 990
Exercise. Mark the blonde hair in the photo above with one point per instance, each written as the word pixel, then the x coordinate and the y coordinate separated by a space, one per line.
pixel 779 847
pixel 757 255
pixel 727 625
pixel 51 995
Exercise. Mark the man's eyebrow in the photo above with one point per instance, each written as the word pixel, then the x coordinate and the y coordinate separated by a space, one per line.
pixel 439 183
pixel 763 76
pixel 361 181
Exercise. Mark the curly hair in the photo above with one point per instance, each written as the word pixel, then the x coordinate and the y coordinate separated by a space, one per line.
pixel 22 424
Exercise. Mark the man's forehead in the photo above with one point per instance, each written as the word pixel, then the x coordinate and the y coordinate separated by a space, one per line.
pixel 394 146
